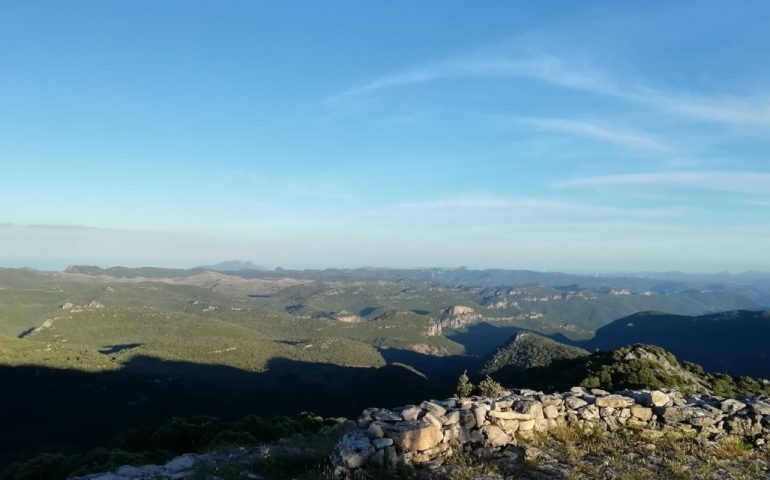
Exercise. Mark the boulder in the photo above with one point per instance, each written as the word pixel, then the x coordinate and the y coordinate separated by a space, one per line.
pixel 180 464
pixel 655 398
pixel 452 417
pixel 467 419
pixel 526 425
pixel 375 431
pixel 550 411
pixel 434 408
pixel 380 443
pixel 530 407
pixel 410 414
pixel 354 449
pixel 414 437
pixel 554 400
pixel 614 401
pixel 641 413
pixel 433 419
pixel 480 413
pixel 495 436
pixel 743 426
pixel 732 406
pixel 589 413
pixel 760 407
pixel 575 402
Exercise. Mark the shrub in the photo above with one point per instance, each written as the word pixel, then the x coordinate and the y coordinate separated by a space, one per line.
pixel 464 386
pixel 490 388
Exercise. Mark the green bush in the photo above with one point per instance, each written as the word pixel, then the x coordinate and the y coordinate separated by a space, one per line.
pixel 489 388
pixel 464 386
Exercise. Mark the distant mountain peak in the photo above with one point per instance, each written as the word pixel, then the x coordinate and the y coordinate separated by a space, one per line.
pixel 235 266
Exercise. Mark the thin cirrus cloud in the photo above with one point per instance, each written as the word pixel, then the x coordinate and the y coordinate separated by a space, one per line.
pixel 548 68
pixel 726 181
pixel 495 205
pixel 753 111
pixel 585 129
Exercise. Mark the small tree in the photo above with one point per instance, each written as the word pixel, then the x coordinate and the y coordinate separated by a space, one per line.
pixel 464 386
pixel 490 388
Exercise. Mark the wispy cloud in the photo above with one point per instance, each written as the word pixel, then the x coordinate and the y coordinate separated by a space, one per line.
pixel 745 110
pixel 548 68
pixel 585 129
pixel 494 205
pixel 50 226
pixel 728 181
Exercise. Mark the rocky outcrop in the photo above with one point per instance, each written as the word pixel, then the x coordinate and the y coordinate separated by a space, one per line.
pixel 347 317
pixel 458 316
pixel 92 305
pixel 429 433
pixel 434 329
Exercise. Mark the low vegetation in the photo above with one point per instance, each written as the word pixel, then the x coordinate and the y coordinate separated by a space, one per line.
pixel 527 350
pixel 631 455
pixel 632 367
pixel 156 445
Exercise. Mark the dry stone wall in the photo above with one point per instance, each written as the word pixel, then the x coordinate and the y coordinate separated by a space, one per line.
pixel 428 433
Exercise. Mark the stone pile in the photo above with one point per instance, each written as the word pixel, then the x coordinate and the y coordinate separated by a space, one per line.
pixel 428 433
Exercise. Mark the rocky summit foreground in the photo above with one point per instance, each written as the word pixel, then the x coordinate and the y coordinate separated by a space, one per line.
pixel 431 433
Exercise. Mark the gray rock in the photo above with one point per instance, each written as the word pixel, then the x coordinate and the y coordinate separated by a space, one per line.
pixel 480 414
pixel 411 414
pixel 433 419
pixel 655 398
pixel 732 406
pixel 579 391
pixel 550 411
pixel 526 425
pixel 554 400
pixel 180 464
pixel 380 443
pixel 530 407
pixel 354 449
pixel 414 436
pixel 575 402
pixel 614 401
pixel 131 471
pixel 452 417
pixel 642 413
pixel 375 431
pixel 495 436
pixel 760 407
pixel 434 408
pixel 386 416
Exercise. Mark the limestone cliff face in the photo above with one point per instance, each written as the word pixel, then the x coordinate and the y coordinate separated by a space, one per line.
pixel 458 316
pixel 434 329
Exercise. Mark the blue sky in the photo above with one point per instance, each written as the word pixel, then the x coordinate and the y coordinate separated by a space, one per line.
pixel 576 136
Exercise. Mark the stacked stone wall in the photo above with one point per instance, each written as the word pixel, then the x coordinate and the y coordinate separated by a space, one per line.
pixel 432 431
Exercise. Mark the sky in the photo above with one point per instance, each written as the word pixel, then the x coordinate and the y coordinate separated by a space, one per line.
pixel 555 135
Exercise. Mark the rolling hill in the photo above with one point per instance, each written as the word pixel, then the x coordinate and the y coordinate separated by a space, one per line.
pixel 527 350
pixel 734 342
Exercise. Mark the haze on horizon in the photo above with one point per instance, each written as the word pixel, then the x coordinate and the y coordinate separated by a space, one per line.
pixel 568 136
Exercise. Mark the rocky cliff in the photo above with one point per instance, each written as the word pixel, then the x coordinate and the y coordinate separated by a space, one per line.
pixel 458 316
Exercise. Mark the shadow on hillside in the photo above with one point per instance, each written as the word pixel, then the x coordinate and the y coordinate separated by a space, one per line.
pixel 481 339
pixel 44 409
pixel 442 370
